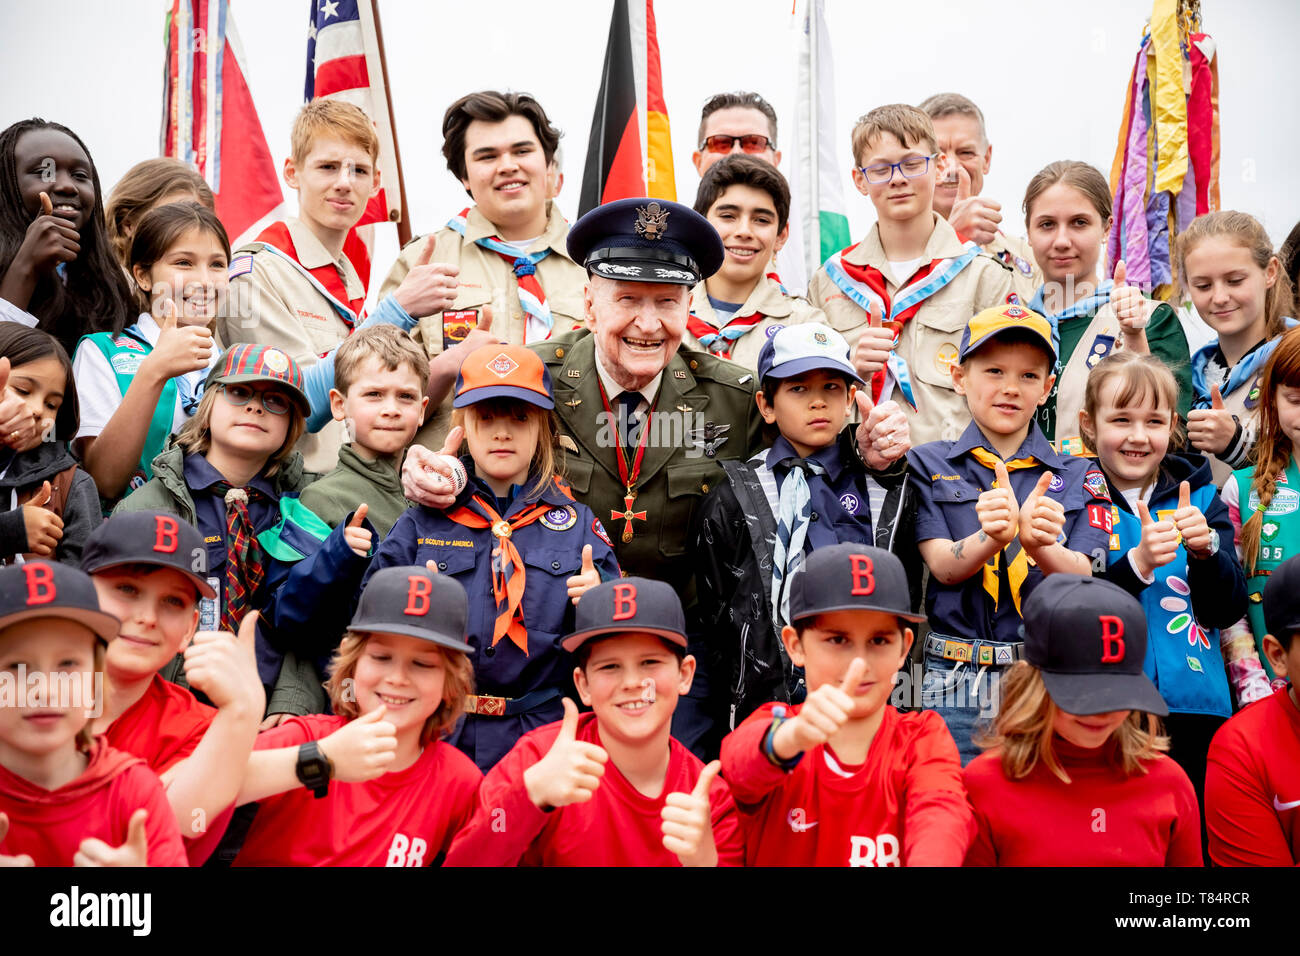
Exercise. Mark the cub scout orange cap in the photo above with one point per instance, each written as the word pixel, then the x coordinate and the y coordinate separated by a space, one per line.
pixel 1001 319
pixel 503 371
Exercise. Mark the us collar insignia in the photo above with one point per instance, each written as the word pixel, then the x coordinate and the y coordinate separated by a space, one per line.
pixel 709 438
pixel 651 221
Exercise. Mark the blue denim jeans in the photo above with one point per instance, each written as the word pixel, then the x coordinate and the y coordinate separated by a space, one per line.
pixel 965 694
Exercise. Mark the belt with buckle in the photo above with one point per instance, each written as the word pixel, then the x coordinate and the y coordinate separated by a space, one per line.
pixel 484 705
pixel 975 652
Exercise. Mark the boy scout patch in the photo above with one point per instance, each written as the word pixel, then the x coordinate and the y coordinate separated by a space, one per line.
pixel 599 531
pixel 1094 483
pixel 240 266
pixel 850 503
pixel 773 329
pixel 502 365
pixel 945 358
pixel 457 325
pixel 1024 266
pixel 1056 484
pixel 560 519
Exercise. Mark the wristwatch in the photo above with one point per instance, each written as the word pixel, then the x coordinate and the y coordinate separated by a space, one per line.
pixel 314 769
pixel 1213 548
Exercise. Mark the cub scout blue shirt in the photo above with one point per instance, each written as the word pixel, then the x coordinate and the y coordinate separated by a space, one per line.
pixel 948 481
pixel 840 511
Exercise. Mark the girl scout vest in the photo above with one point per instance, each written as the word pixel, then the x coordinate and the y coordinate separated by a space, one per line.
pixel 1240 394
pixel 1279 539
pixel 1183 658
pixel 124 353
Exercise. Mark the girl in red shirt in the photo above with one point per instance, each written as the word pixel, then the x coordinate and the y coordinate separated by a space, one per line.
pixel 1075 774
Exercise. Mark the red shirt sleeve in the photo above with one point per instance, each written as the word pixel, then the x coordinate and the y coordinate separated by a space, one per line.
pixel 140 787
pixel 939 825
pixel 746 768
pixel 980 778
pixel 1185 842
pixel 505 822
pixel 1243 827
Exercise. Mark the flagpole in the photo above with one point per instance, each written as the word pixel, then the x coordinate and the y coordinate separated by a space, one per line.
pixel 404 224
pixel 813 211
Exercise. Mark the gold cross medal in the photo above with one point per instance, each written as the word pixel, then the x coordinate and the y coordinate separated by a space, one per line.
pixel 628 515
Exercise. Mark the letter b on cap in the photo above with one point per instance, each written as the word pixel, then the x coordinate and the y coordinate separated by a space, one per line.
pixel 165 534
pixel 863 571
pixel 40 583
pixel 624 601
pixel 1112 638
pixel 418 590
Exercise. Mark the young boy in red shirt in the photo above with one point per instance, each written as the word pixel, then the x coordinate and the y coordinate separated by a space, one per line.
pixel 1252 778
pixel 148 571
pixel 844 779
pixel 65 797
pixel 613 787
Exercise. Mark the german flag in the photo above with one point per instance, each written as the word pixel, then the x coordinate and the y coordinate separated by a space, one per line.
pixel 630 112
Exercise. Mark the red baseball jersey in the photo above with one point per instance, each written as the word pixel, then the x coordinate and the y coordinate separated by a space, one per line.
pixel 49 825
pixel 1252 786
pixel 1101 818
pixel 905 806
pixel 163 727
pixel 405 818
pixel 618 826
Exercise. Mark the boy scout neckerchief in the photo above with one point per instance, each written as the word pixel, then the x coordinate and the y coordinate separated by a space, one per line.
pixel 1089 305
pixel 245 569
pixel 326 278
pixel 1017 560
pixel 792 518
pixel 507 564
pixel 531 296
pixel 866 286
pixel 720 341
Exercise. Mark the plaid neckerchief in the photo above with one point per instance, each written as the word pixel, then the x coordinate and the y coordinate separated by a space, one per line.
pixel 245 561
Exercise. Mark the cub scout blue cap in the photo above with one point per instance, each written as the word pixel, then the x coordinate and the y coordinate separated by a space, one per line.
pixel 796 349
pixel 1088 637
pixel 414 602
pixel 40 589
pixel 1001 319
pixel 149 537
pixel 625 606
pixel 851 577
pixel 646 240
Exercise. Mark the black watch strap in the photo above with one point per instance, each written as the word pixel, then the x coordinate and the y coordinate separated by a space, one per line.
pixel 314 768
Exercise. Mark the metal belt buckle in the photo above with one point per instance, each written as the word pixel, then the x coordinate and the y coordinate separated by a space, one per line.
pixel 485 706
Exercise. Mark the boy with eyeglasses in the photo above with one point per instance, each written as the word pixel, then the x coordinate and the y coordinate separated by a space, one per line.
pixel 903 295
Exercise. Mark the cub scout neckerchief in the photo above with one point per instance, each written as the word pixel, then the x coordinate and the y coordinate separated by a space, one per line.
pixel 1089 305
pixel 866 286
pixel 326 278
pixel 1250 365
pixel 1017 560
pixel 792 517
pixel 507 563
pixel 720 341
pixel 531 296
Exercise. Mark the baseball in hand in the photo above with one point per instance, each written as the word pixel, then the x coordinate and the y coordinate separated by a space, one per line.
pixel 458 477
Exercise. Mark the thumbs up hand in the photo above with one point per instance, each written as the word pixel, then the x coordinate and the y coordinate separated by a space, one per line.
pixel 586 578
pixel 180 348
pixel 363 748
pixel 430 287
pixel 1158 546
pixel 824 711
pixel 5 860
pixel 1191 524
pixel 997 509
pixel 883 435
pixel 571 770
pixel 1211 429
pixel 49 240
pixel 359 539
pixel 688 822
pixel 134 852
pixel 224 667
pixel 971 215
pixel 1042 518
pixel 1132 309
pixel 873 346
pixel 44 528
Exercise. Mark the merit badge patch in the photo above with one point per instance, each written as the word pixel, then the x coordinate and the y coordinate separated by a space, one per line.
pixel 1024 266
pixel 502 365
pixel 599 531
pixel 1094 483
pixel 771 330
pixel 1057 483
pixel 560 519
pixel 1002 655
pixel 240 266
pixel 456 325
pixel 850 503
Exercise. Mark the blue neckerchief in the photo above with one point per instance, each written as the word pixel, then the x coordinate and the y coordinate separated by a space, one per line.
pixel 1238 375
pixel 1088 305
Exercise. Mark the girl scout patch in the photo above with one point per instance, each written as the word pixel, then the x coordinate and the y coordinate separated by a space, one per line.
pixel 1252 397
pixel 126 363
pixel 560 519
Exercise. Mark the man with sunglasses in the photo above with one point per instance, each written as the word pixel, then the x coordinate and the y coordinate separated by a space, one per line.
pixel 733 123
pixel 903 295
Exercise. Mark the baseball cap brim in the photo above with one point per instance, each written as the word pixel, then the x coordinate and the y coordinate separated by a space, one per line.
pixel 104 625
pixel 798 366
pixel 298 394
pixel 575 640
pixel 474 395
pixel 830 609
pixel 423 633
pixel 205 589
pixel 1086 694
pixel 992 336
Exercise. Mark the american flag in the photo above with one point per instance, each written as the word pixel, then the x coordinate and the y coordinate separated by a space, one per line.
pixel 209 120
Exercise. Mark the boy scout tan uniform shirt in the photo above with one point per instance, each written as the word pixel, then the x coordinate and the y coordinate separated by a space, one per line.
pixel 276 304
pixel 1015 252
pixel 778 308
pixel 930 339
pixel 482 273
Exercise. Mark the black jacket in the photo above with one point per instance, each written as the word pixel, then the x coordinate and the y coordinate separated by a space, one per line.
pixel 23 477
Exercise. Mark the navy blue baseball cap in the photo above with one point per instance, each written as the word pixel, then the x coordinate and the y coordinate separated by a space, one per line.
pixel 625 606
pixel 414 602
pixel 851 577
pixel 40 589
pixel 801 348
pixel 1282 599
pixel 149 537
pixel 1088 637
pixel 646 240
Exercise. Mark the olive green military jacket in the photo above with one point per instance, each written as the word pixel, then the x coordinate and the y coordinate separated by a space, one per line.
pixel 705 412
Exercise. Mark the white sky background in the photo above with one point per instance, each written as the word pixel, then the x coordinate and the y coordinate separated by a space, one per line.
pixel 1050 77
